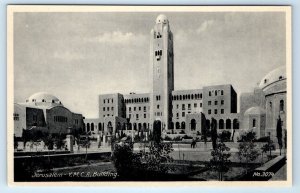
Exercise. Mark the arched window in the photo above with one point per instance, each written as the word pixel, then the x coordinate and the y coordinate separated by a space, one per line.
pixel 183 97
pixel 182 125
pixel 172 125
pixel 216 92
pixel 130 126
pixel 196 96
pixel 228 124
pixel 281 105
pixel 144 126
pixel 221 124
pixel 193 124
pixel 180 97
pixel 189 96
pixel 253 122
pixel 87 127
pixel 92 126
pixel 236 124
pixel 99 126
pixel 177 125
pixel 192 96
pixel 200 96
pixel 140 126
pixel 134 126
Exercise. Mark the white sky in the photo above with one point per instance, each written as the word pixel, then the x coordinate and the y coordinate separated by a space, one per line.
pixel 77 56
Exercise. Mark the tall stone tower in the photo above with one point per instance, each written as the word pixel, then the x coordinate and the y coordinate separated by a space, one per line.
pixel 162 73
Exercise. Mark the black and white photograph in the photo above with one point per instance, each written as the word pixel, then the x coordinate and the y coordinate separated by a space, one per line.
pixel 191 94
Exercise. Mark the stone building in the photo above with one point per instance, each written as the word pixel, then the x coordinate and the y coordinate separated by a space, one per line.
pixel 262 108
pixel 189 111
pixel 46 113
pixel 181 111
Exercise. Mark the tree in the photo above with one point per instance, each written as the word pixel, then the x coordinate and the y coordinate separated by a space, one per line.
pixel 59 141
pixel 131 165
pixel 225 136
pixel 15 142
pixel 86 144
pixel 220 159
pixel 269 147
pixel 279 133
pixel 247 149
pixel 214 133
pixel 49 141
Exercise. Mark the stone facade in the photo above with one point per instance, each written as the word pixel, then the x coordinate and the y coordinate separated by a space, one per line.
pixel 190 111
pixel 45 112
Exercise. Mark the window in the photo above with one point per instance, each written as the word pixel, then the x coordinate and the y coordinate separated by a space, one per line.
pixel 183 114
pixel 216 111
pixel 107 108
pixel 189 106
pixel 145 116
pixel 222 92
pixel 112 100
pixel 157 106
pixel 253 123
pixel 112 108
pixel 103 108
pixel 222 102
pixel 177 115
pixel 222 111
pixel 235 124
pixel 195 105
pixel 137 116
pixel 35 118
pixel 140 108
pixel 104 101
pixel 107 100
pixel 200 104
pixel 134 108
pixel 200 96
pixel 183 107
pixel 145 109
pixel 209 111
pixel 281 105
pixel 228 124
pixel 129 109
pixel 129 116
pixel 216 102
pixel 216 93
pixel 16 117
pixel 209 102
pixel 177 106
pixel 209 93
pixel 221 124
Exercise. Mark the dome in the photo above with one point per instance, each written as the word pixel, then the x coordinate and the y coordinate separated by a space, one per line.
pixel 162 19
pixel 43 97
pixel 254 111
pixel 273 76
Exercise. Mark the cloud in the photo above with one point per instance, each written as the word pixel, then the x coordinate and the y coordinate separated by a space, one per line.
pixel 118 37
pixel 204 26
pixel 67 55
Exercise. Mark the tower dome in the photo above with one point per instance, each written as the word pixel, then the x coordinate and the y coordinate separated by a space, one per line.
pixel 43 97
pixel 273 76
pixel 162 19
pixel 254 111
